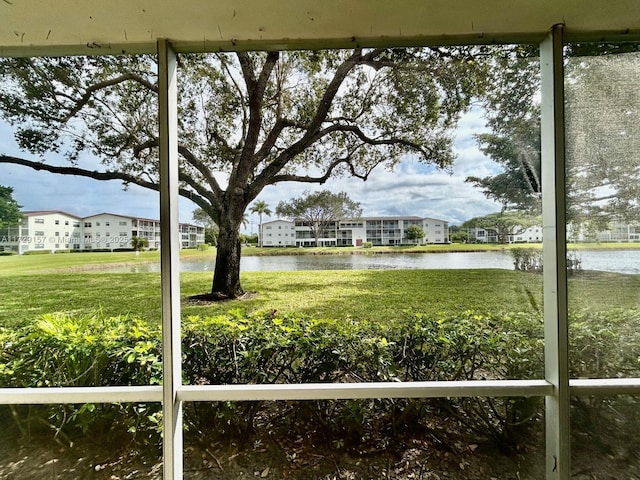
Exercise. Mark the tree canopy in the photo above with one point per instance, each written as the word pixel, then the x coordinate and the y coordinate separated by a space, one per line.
pixel 504 223
pixel 9 208
pixel 246 120
pixel 139 243
pixel 318 210
pixel 602 110
pixel 414 233
pixel 201 217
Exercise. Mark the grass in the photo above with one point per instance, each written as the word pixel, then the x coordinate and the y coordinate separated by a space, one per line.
pixel 34 285
pixel 370 294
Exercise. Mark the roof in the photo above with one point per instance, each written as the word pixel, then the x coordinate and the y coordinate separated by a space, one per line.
pixel 49 212
pixel 63 27
pixel 113 215
pixel 412 217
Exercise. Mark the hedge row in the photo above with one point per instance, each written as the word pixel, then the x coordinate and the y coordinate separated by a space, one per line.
pixel 60 350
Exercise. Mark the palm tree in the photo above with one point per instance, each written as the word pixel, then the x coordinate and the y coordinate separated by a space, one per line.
pixel 139 243
pixel 260 207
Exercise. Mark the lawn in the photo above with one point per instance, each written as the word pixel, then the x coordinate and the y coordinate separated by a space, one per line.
pixel 38 284
pixel 370 294
pixel 32 286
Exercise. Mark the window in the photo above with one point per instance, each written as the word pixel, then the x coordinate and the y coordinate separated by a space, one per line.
pixel 87 224
pixel 558 384
pixel 97 224
pixel 39 233
pixel 106 224
pixel 122 223
pixel 57 222
pixel 66 222
pixel 39 220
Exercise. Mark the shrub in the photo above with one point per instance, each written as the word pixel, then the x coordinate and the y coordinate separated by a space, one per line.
pixel 527 259
pixel 367 245
pixel 237 348
pixel 530 260
pixel 37 252
pixel 61 351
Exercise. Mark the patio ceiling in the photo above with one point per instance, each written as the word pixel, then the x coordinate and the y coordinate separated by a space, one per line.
pixel 61 27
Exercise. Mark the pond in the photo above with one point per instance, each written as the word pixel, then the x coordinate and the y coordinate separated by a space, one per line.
pixel 621 261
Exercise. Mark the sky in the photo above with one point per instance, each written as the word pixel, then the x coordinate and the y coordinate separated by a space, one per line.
pixel 411 188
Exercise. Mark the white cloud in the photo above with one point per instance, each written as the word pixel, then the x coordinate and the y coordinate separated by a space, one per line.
pixel 411 188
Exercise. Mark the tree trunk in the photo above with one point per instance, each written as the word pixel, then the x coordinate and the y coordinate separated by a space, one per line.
pixel 226 277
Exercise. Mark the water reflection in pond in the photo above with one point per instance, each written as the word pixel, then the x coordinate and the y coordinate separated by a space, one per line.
pixel 623 261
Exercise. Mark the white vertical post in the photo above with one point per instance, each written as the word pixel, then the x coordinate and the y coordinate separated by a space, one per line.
pixel 169 261
pixel 555 256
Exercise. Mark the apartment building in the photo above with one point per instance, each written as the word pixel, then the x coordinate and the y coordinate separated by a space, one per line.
pixel 278 233
pixel 488 235
pixel 618 231
pixel 53 230
pixel 377 230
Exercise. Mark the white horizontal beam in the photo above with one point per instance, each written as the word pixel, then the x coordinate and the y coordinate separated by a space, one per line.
pixel 315 391
pixel 50 395
pixel 605 386
pixel 44 27
pixel 330 391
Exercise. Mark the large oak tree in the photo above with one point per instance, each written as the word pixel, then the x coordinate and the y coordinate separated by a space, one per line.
pixel 602 143
pixel 246 121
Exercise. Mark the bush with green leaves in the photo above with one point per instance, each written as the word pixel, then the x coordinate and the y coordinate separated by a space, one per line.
pixel 61 351
pixel 239 348
pixel 527 259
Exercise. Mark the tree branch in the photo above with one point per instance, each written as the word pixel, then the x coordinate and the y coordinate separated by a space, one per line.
pixel 107 83
pixel 81 172
pixel 191 159
pixel 256 88
pixel 330 169
pixel 202 168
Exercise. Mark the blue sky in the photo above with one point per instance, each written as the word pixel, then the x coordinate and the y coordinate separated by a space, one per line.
pixel 411 189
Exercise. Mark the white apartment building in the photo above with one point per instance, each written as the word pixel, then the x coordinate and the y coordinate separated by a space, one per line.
pixel 51 230
pixel 278 233
pixel 529 235
pixel 487 235
pixel 377 230
pixel 618 231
